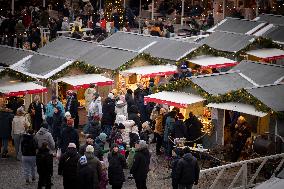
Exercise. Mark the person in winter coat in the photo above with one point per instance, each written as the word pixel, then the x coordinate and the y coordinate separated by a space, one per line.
pixel 6 117
pixel 95 108
pixel 53 29
pixel 94 164
pixel 177 155
pixel 117 163
pixel 139 94
pixel 140 167
pixel 100 145
pixel 97 151
pixel 44 163
pixel 134 115
pixel 169 129
pixel 159 130
pixel 109 115
pixel 19 124
pixel 89 95
pixel 72 107
pixel 187 171
pixel 67 167
pixel 193 126
pixel 68 135
pixel 129 99
pixel 104 179
pixel 57 121
pixel 44 136
pixel 146 131
pixel 179 128
pixel 93 128
pixel 36 111
pixel 134 136
pixel 28 147
pixel 85 174
pixel 49 111
pixel 121 108
pixel 20 30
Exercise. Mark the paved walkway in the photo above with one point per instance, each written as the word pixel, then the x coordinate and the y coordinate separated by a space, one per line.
pixel 11 176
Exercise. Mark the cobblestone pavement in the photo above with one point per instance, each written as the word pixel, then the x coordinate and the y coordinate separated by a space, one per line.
pixel 11 176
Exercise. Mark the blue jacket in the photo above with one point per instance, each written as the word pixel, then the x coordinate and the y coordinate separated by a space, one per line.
pixel 49 109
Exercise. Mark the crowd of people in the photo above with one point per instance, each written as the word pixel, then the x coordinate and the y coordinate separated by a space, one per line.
pixel 117 135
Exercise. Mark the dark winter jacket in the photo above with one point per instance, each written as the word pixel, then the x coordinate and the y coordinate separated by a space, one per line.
pixel 117 163
pixel 133 115
pixel 68 164
pixel 85 177
pixel 130 101
pixel 37 117
pixel 108 110
pixel 69 135
pixel 6 124
pixel 174 167
pixel 140 167
pixel 94 129
pixel 98 151
pixel 179 129
pixel 133 139
pixel 72 106
pixel 96 167
pixel 187 171
pixel 57 124
pixel 28 145
pixel 44 162
pixel 193 126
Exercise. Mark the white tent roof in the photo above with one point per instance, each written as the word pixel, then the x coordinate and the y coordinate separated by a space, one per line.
pixel 151 70
pixel 22 88
pixel 266 53
pixel 178 99
pixel 238 107
pixel 79 81
pixel 212 61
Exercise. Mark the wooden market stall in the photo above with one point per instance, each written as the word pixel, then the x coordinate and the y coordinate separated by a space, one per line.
pixel 256 119
pixel 22 91
pixel 131 77
pixel 80 83
pixel 185 101
pixel 267 55
pixel 207 64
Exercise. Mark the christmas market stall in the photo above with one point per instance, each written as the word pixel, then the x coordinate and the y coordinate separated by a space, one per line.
pixel 236 25
pixel 271 97
pixel 163 48
pixel 80 83
pixel 185 101
pixel 270 18
pixel 158 74
pixel 273 32
pixel 267 55
pixel 209 64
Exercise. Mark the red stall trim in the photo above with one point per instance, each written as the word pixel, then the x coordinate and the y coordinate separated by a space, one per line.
pixel 100 84
pixel 159 101
pixel 18 93
pixel 220 65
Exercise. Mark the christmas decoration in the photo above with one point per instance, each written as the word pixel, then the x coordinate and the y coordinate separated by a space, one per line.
pixel 16 75
pixel 110 6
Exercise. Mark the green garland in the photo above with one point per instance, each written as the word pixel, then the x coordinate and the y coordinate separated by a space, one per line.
pixel 234 96
pixel 15 74
pixel 143 56
pixel 260 42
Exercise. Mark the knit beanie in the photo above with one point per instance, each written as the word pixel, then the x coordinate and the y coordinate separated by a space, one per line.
pixel 103 137
pixel 90 149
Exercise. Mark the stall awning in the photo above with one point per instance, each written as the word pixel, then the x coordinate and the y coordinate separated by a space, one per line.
pixel 177 99
pixel 84 81
pixel 238 107
pixel 151 71
pixel 21 88
pixel 212 62
pixel 267 54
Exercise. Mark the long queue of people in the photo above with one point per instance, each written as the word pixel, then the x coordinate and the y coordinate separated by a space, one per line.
pixel 121 123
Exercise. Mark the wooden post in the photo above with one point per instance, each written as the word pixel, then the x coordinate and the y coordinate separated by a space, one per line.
pixel 224 8
pixel 43 3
